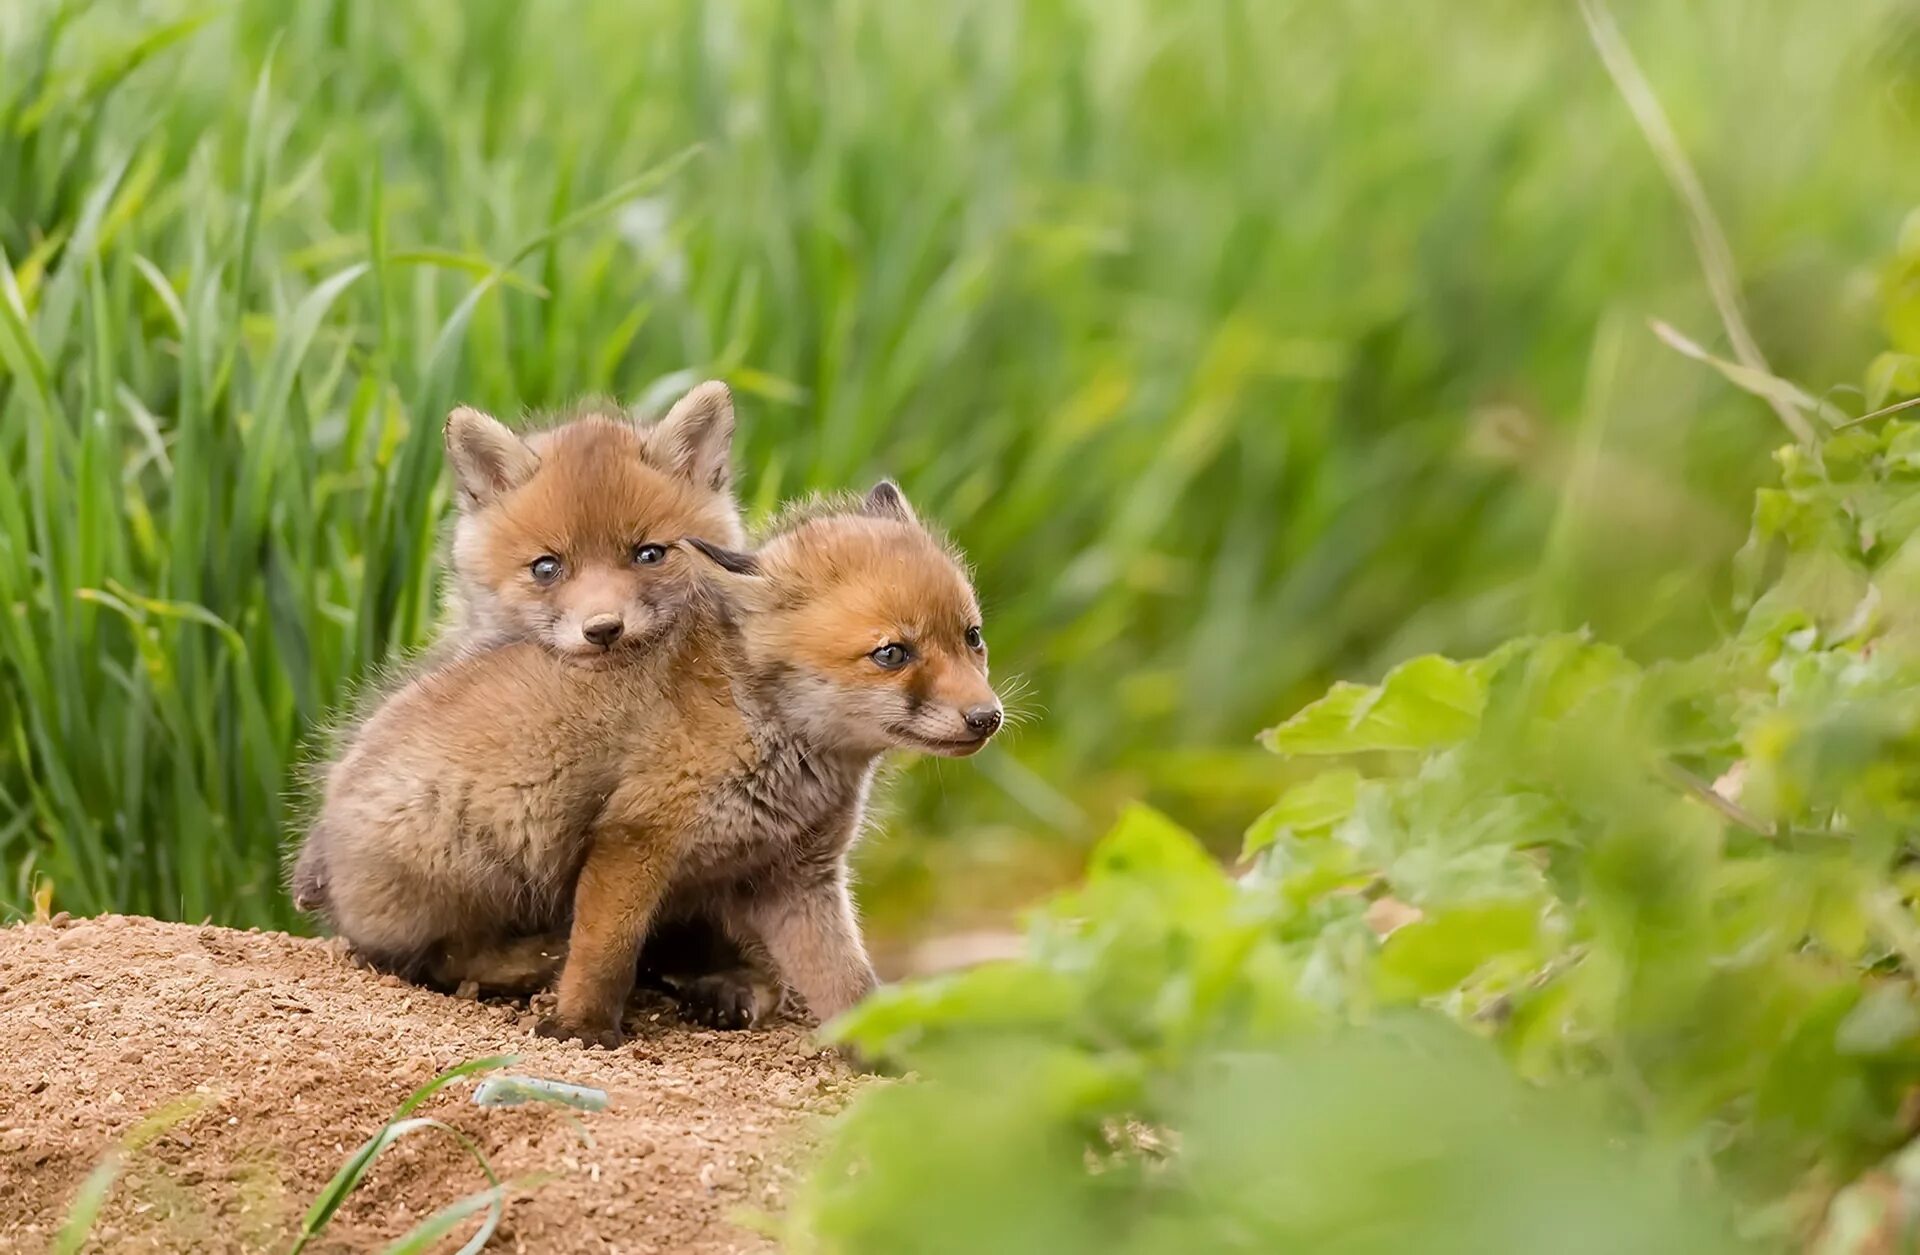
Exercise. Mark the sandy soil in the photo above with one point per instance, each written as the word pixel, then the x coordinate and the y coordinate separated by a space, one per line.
pixel 299 1057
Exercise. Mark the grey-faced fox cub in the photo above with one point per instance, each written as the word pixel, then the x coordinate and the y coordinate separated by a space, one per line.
pixel 553 541
pixel 720 774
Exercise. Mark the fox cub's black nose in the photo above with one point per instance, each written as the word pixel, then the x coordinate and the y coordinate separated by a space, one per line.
pixel 982 720
pixel 603 629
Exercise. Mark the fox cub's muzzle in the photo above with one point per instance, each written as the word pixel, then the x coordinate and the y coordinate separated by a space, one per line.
pixel 603 630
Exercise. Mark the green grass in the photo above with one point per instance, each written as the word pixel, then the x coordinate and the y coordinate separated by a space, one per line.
pixel 84 1210
pixel 1242 345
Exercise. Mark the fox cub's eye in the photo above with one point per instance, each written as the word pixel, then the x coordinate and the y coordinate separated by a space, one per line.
pixel 545 568
pixel 974 639
pixel 891 657
pixel 647 555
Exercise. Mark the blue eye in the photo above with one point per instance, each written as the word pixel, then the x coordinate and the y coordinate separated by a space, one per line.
pixel 892 657
pixel 545 568
pixel 647 555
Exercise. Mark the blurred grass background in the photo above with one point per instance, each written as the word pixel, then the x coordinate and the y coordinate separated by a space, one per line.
pixel 1242 345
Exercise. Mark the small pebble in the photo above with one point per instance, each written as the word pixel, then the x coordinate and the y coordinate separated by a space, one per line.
pixel 60 919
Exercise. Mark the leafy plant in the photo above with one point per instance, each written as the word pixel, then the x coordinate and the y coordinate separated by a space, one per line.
pixel 1676 898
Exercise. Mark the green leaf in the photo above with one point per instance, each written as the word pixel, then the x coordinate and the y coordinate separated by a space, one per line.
pixel 1439 953
pixel 1307 809
pixel 492 1200
pixel 1145 844
pixel 1423 704
pixel 992 996
pixel 1884 1020
pixel 86 1204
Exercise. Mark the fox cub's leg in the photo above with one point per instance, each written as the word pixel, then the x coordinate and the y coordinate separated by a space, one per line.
pixel 740 994
pixel 622 881
pixel 718 979
pixel 510 965
pixel 809 929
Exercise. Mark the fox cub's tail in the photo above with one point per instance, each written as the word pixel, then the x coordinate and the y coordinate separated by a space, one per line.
pixel 309 883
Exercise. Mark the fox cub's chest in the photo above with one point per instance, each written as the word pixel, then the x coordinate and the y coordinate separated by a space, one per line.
pixel 790 803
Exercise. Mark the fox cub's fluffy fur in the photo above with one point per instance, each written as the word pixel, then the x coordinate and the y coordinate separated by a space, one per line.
pixel 653 727
pixel 548 543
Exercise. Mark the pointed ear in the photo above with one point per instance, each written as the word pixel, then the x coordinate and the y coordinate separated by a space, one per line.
pixel 885 501
pixel 487 459
pixel 726 559
pixel 696 437
pixel 736 576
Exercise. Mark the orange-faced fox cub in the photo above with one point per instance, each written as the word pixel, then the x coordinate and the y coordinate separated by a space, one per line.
pixel 543 543
pixel 555 536
pixel 720 774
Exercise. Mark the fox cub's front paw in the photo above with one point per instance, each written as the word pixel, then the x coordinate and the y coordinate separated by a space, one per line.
pixel 604 1035
pixel 725 1000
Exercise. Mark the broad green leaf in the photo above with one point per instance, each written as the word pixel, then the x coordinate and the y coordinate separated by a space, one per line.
pixel 992 996
pixel 1423 704
pixel 1437 953
pixel 1309 808
pixel 1144 846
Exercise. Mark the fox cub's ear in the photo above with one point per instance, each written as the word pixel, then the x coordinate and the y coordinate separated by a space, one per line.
pixel 740 578
pixel 726 559
pixel 696 437
pixel 885 501
pixel 487 459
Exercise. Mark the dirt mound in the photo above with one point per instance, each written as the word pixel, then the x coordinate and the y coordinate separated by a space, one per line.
pixel 299 1057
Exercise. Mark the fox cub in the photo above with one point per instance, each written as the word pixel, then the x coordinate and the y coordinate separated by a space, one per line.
pixel 543 547
pixel 553 539
pixel 511 796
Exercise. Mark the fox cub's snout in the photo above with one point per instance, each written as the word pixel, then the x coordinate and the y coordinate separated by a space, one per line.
pixel 865 628
pixel 569 536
